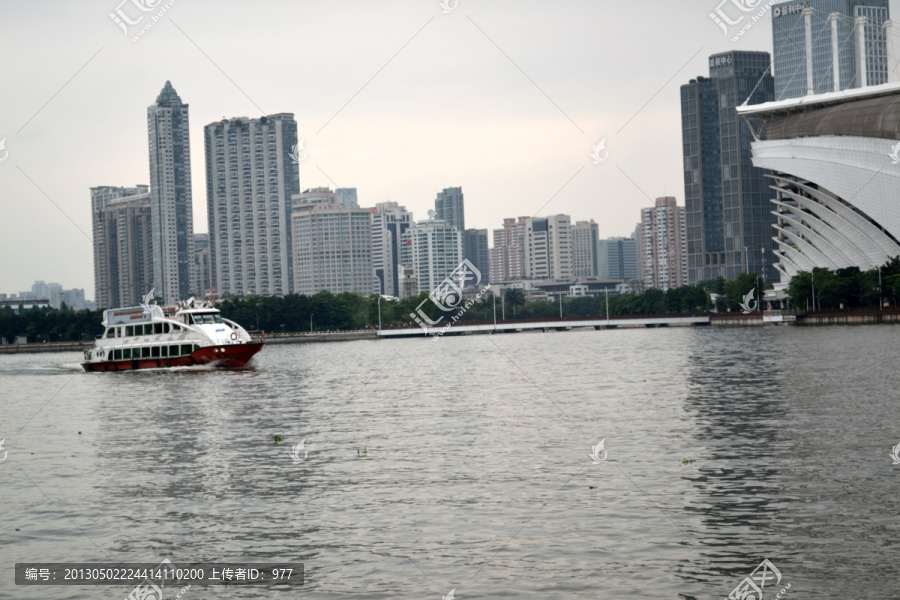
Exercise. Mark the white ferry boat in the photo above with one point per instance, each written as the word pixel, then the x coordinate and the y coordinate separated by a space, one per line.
pixel 151 337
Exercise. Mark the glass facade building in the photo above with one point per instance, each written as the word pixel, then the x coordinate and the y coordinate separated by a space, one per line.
pixel 789 39
pixel 727 201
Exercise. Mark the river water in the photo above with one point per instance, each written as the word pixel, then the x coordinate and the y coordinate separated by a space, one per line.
pixel 463 464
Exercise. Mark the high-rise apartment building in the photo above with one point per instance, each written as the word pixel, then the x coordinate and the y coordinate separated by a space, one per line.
pixel 170 196
pixel 475 249
pixel 548 248
pixel 449 208
pixel 848 40
pixel 662 244
pixel 727 199
pixel 202 264
pixel 123 245
pixel 389 222
pixel 585 249
pixel 508 253
pixel 250 179
pixel 332 245
pixel 434 249
pixel 618 258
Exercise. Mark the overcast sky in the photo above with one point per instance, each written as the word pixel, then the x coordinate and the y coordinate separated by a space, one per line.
pixel 504 98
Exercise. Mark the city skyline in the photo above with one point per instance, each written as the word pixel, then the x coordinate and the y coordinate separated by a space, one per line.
pixel 517 135
pixel 501 138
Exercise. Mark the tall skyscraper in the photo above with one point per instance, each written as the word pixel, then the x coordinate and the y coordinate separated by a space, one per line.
pixel 389 222
pixel 618 258
pixel 123 245
pixel 475 249
pixel 449 208
pixel 170 196
pixel 332 245
pixel 662 245
pixel 851 30
pixel 250 179
pixel 548 248
pixel 435 249
pixel 585 248
pixel 727 200
pixel 202 264
pixel 508 253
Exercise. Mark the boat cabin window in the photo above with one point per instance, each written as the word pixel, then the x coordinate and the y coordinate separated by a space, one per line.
pixel 207 318
pixel 111 332
pixel 129 331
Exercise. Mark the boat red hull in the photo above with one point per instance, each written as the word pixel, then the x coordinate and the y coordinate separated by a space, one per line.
pixel 228 356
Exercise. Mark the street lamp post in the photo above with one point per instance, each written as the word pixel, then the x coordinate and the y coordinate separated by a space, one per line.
pixel 606 292
pixel 560 305
pixel 310 322
pixel 379 313
pixel 495 311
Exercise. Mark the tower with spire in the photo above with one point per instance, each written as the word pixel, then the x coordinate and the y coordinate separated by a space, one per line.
pixel 170 196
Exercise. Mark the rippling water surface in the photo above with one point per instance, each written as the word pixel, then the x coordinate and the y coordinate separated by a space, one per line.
pixel 463 463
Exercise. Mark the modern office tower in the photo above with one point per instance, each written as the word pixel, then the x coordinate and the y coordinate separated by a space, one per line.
pixel 848 40
pixel 475 249
pixel 508 253
pixel 332 245
pixel 727 199
pixel 170 196
pixel 548 248
pixel 449 208
pixel 434 249
pixel 585 257
pixel 618 258
pixel 123 245
pixel 250 179
pixel 389 222
pixel 202 264
pixel 347 197
pixel 662 245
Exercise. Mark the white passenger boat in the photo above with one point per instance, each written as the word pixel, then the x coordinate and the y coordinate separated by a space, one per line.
pixel 150 336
